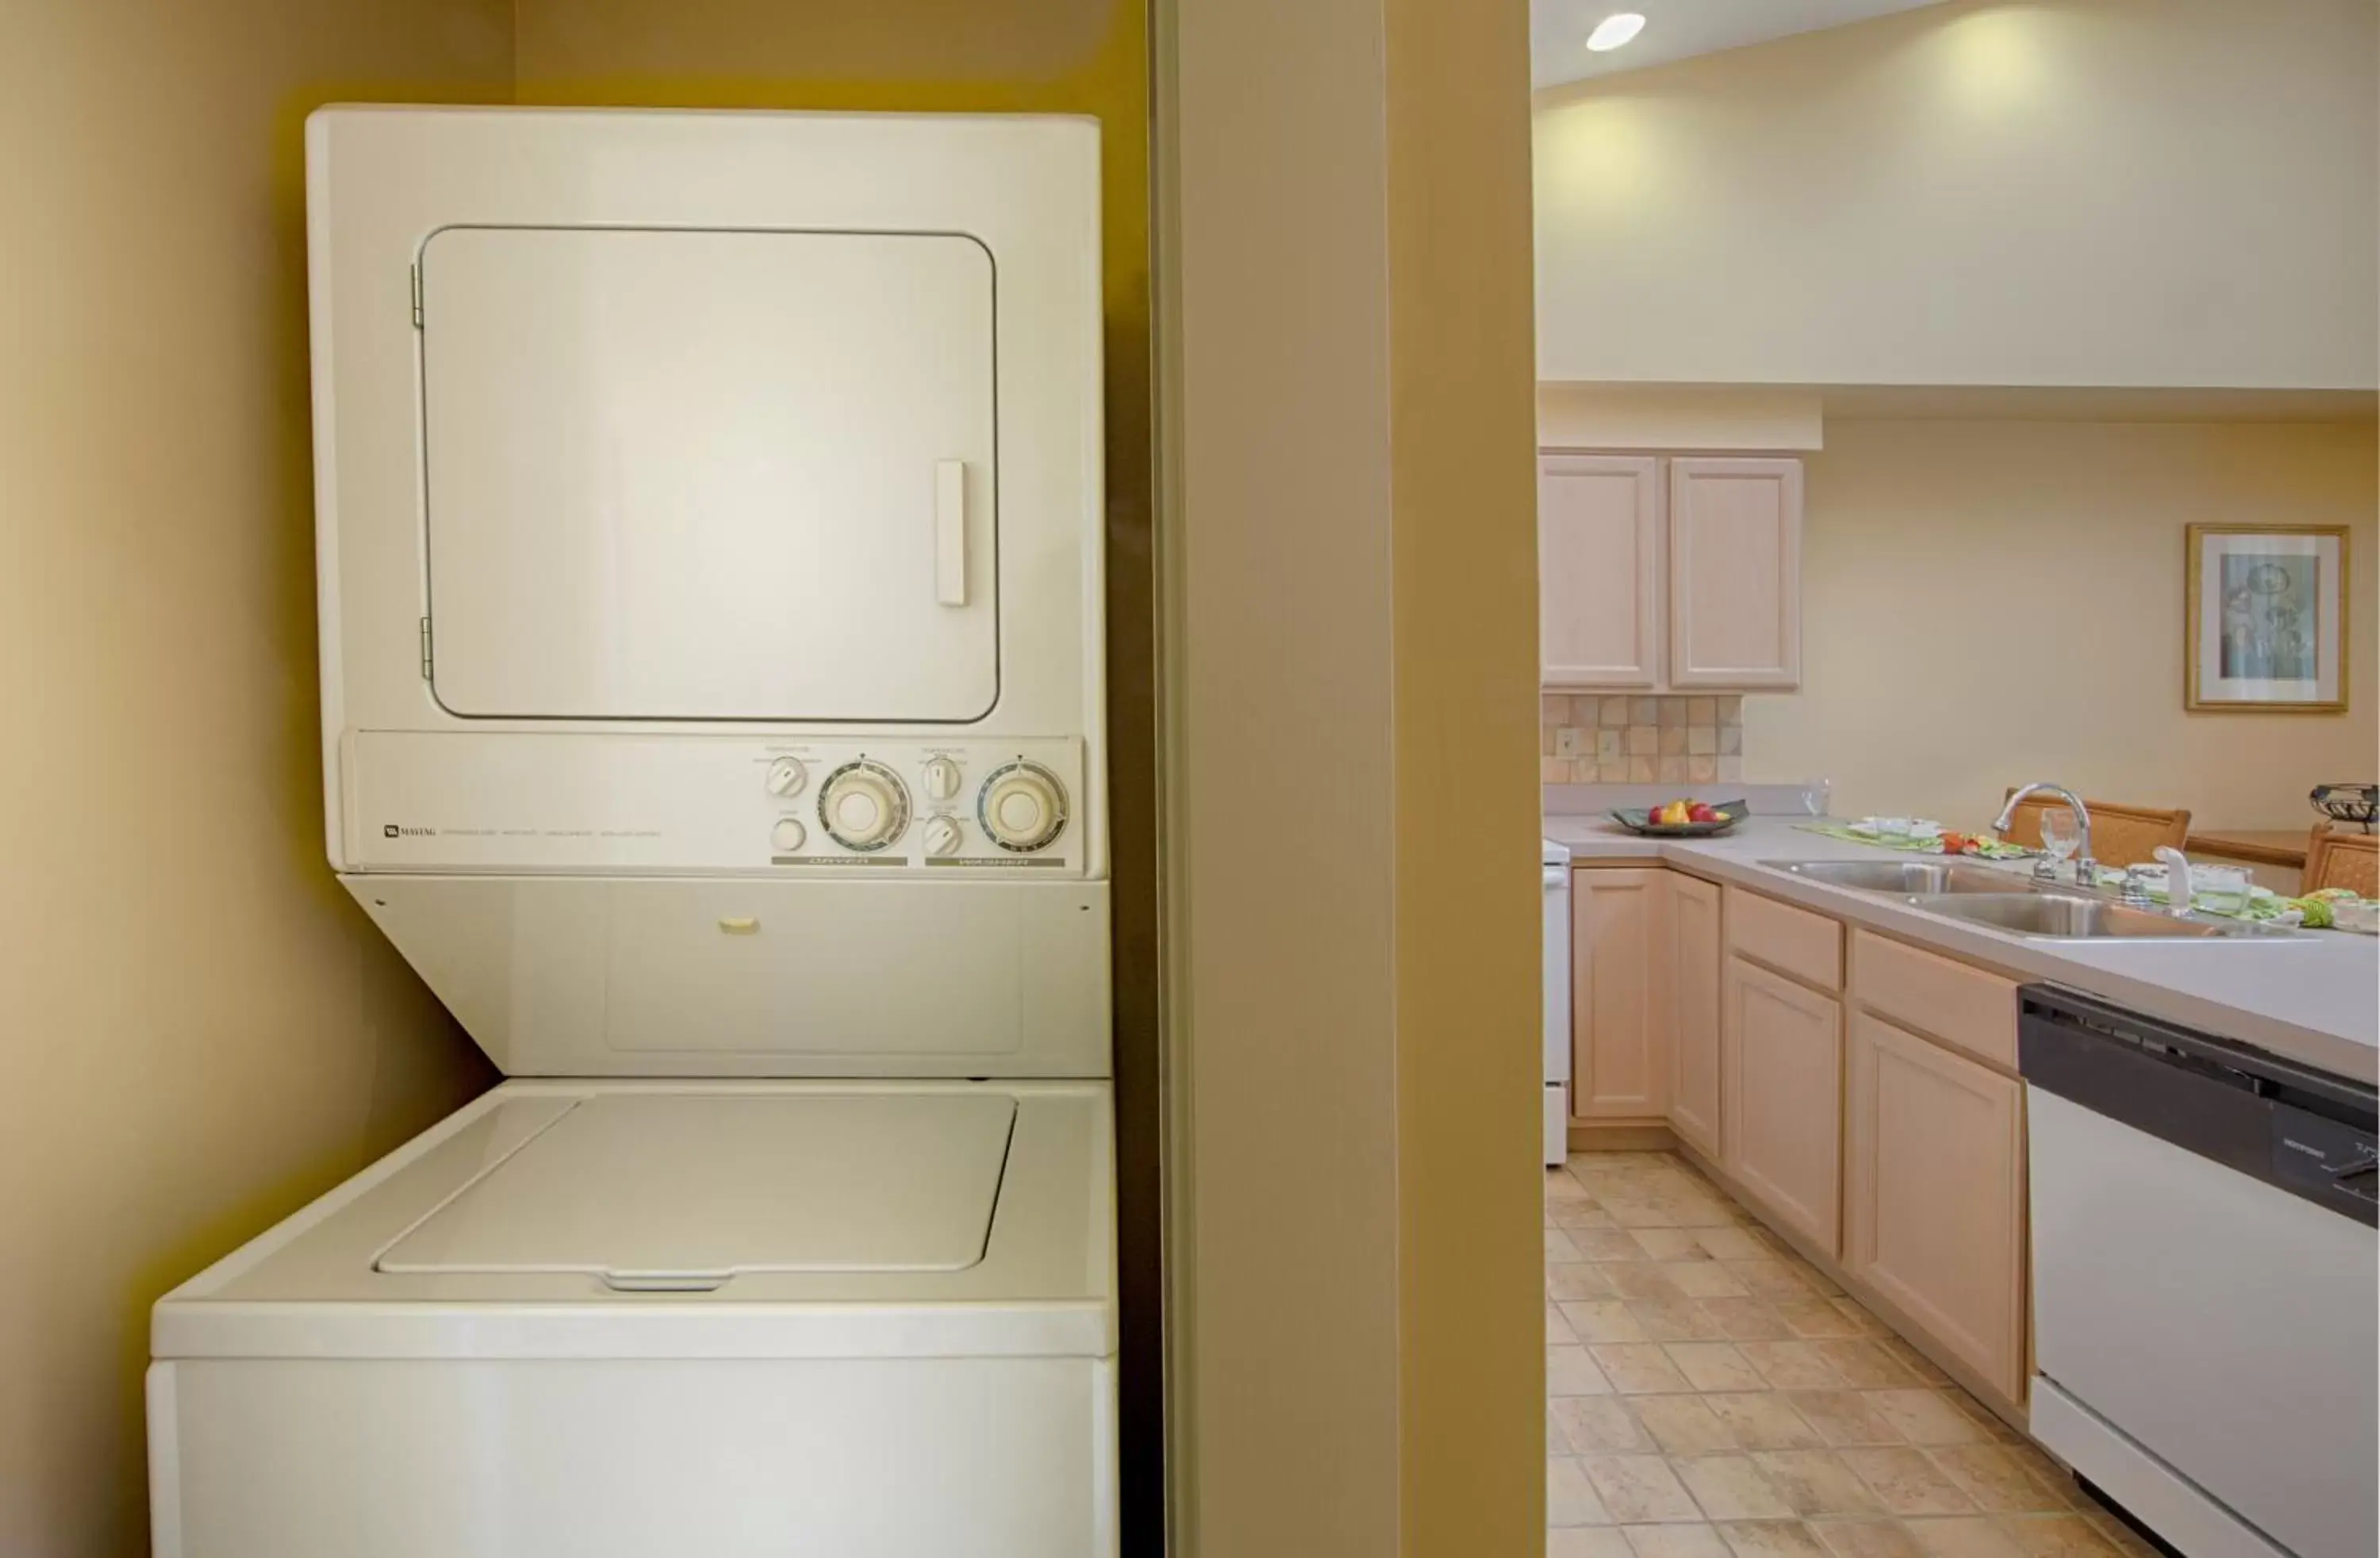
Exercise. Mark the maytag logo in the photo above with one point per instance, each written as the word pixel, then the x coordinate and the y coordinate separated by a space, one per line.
pixel 390 829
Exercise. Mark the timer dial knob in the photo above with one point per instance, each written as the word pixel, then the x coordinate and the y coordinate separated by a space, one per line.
pixel 1022 807
pixel 786 776
pixel 942 835
pixel 787 834
pixel 941 779
pixel 863 805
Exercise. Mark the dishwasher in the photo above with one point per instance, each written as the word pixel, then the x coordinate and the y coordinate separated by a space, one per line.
pixel 2206 1280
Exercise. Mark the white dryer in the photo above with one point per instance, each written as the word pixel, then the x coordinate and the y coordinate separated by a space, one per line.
pixel 708 518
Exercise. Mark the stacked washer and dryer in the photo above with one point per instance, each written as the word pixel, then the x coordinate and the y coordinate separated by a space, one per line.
pixel 709 515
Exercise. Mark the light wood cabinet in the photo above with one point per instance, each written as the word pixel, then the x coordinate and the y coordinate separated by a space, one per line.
pixel 1735 573
pixel 1695 963
pixel 1780 1118
pixel 1659 575
pixel 1935 1194
pixel 1619 994
pixel 1599 570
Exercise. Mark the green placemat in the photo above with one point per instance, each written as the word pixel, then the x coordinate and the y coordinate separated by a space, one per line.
pixel 1985 848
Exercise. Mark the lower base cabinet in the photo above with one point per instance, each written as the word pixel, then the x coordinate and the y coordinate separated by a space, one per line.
pixel 1935 1194
pixel 1695 954
pixel 1781 1101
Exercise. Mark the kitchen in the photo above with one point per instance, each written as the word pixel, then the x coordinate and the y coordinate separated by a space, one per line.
pixel 1882 501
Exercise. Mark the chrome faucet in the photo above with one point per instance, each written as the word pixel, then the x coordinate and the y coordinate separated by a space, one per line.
pixel 2086 870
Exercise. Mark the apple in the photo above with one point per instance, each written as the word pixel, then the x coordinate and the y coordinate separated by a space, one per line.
pixel 1702 812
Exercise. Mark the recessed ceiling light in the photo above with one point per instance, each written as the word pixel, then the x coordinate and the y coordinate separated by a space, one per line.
pixel 1614 31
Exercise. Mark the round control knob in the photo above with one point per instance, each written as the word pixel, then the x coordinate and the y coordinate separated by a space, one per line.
pixel 786 776
pixel 941 779
pixel 1022 807
pixel 787 835
pixel 863 805
pixel 944 835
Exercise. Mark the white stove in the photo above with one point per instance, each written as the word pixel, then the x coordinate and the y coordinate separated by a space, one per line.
pixel 1556 1005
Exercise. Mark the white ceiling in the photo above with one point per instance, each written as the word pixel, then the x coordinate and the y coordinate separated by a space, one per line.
pixel 1676 29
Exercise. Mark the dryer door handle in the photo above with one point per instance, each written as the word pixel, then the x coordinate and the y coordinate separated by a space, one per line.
pixel 950 532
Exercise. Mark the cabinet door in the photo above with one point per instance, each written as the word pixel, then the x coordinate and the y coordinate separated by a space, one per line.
pixel 1780 1098
pixel 1936 1194
pixel 1598 570
pixel 1735 573
pixel 1694 1007
pixel 1619 994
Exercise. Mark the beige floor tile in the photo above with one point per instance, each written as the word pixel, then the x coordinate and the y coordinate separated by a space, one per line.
pixel 1557 1328
pixel 1771 1538
pixel 1577 1280
pixel 1705 1279
pixel 1639 1490
pixel 1919 1364
pixel 1606 1320
pixel 1558 1247
pixel 1815 1482
pixel 1963 1537
pixel 1765 1420
pixel 1819 1282
pixel 1812 1318
pixel 1986 1419
pixel 1683 1425
pixel 1632 1212
pixel 1769 1277
pixel 1731 1244
pixel 1860 1315
pixel 1793 1366
pixel 1570 1371
pixel 1587 1542
pixel 1997 1481
pixel 2117 1535
pixel 1698 1210
pixel 1844 1418
pixel 1599 1425
pixel 1607 1244
pixel 1646 1278
pixel 1675 1541
pixel 2055 1536
pixel 1669 1244
pixel 1865 1366
pixel 1905 1482
pixel 1732 1488
pixel 1675 1319
pixel 1747 1319
pixel 1713 1366
pixel 1867 1539
pixel 1925 1416
pixel 1642 1370
pixel 2030 1456
pixel 1563 1187
pixel 1578 1214
pixel 1571 1498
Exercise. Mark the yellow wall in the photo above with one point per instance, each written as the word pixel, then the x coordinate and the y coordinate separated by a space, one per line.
pixel 1986 603
pixel 197 1031
pixel 2161 193
pixel 1351 781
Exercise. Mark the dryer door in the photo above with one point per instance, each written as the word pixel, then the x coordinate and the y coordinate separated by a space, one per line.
pixel 702 475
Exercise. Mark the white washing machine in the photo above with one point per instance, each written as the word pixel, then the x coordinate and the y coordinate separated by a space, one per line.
pixel 709 515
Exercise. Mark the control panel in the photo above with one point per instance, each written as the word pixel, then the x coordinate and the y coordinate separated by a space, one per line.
pixel 564 801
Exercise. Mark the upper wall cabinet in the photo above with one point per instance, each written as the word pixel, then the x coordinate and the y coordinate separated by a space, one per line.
pixel 1599 570
pixel 1659 575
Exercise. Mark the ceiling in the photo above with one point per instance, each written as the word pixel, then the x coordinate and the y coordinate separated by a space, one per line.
pixel 1676 29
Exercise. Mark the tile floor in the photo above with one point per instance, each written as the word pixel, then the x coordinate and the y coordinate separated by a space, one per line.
pixel 1710 1394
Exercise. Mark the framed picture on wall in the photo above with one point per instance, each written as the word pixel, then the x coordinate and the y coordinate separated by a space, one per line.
pixel 2267 613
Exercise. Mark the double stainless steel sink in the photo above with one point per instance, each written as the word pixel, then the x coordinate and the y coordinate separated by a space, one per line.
pixel 2005 901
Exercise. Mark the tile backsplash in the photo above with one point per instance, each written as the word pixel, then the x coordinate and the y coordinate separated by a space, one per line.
pixel 1587 738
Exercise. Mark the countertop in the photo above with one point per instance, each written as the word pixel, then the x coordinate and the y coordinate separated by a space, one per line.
pixel 2313 997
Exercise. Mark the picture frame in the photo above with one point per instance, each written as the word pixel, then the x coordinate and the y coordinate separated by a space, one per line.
pixel 2266 607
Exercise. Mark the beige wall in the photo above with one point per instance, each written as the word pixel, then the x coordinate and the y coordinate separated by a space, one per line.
pixel 1987 602
pixel 1350 631
pixel 197 1029
pixel 2160 193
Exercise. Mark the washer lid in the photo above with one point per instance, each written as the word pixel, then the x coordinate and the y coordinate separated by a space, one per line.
pixel 678 1193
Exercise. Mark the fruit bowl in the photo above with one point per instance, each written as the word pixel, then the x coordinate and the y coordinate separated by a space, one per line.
pixel 1638 819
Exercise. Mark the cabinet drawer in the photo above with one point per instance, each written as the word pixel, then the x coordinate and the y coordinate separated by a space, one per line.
pixel 1792 940
pixel 1964 1007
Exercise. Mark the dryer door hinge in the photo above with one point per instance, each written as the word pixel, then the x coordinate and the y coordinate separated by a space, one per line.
pixel 415 283
pixel 425 650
